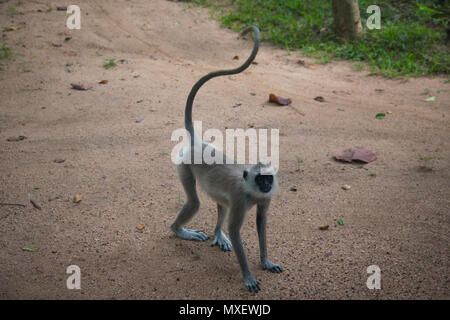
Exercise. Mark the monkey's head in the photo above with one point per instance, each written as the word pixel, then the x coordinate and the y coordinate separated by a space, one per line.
pixel 260 180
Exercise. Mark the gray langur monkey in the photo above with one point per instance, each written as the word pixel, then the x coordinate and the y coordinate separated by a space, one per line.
pixel 236 189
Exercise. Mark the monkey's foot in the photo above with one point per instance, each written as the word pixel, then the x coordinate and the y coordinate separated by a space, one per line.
pixel 272 267
pixel 252 284
pixel 189 234
pixel 222 241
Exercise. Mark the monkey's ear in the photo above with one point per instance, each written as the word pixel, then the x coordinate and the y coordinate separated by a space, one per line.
pixel 245 174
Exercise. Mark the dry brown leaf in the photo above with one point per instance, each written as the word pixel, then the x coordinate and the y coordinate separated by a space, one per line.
pixel 103 82
pixel 81 86
pixel 11 28
pixel 77 198
pixel 278 100
pixel 14 139
pixel 140 226
pixel 358 154
pixel 320 99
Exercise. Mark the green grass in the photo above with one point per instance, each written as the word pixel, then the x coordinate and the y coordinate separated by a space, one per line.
pixel 109 63
pixel 12 11
pixel 5 51
pixel 411 40
pixel 27 68
pixel 426 163
pixel 358 66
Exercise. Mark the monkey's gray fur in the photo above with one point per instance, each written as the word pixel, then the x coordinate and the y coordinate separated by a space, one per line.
pixel 236 189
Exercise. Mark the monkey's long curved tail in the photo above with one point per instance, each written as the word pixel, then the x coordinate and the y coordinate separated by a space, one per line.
pixel 197 86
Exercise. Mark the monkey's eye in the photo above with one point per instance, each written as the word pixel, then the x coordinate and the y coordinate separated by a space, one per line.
pixel 245 174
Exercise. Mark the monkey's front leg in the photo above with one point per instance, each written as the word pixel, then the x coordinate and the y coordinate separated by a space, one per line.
pixel 235 224
pixel 261 221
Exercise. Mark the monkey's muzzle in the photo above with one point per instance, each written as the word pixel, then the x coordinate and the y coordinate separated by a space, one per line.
pixel 264 182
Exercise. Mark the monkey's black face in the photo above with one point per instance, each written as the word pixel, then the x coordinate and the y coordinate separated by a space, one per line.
pixel 264 182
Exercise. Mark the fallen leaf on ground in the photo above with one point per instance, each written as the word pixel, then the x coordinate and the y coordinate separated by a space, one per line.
pixel 236 58
pixel 18 138
pixel 346 187
pixel 279 100
pixel 357 154
pixel 380 116
pixel 103 82
pixel 430 99
pixel 340 222
pixel 324 227
pixel 81 86
pixel 364 155
pixel 11 28
pixel 140 226
pixel 320 99
pixel 77 198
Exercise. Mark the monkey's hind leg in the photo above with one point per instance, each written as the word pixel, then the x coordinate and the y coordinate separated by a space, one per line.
pixel 220 238
pixel 189 209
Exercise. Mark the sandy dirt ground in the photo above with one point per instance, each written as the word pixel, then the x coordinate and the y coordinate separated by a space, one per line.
pixel 116 141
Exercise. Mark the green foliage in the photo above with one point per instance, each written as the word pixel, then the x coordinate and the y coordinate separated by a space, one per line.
pixel 5 51
pixel 12 11
pixel 425 158
pixel 426 163
pixel 110 63
pixel 411 40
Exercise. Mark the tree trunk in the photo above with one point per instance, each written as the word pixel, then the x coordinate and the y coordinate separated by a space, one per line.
pixel 347 21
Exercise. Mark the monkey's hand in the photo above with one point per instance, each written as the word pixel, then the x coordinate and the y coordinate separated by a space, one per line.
pixel 222 241
pixel 252 284
pixel 272 267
